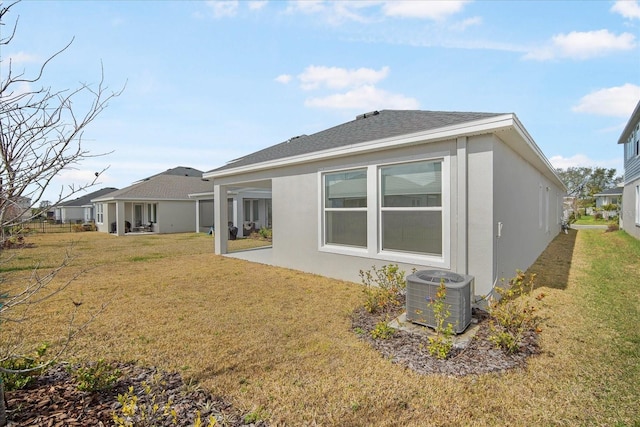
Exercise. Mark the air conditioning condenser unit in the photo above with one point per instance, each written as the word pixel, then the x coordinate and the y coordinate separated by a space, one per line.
pixel 422 287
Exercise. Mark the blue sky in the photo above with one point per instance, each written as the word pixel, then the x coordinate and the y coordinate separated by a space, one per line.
pixel 207 82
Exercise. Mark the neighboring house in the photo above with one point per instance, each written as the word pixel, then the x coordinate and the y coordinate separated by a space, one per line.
pixel 80 210
pixel 607 198
pixel 467 192
pixel 630 215
pixel 159 203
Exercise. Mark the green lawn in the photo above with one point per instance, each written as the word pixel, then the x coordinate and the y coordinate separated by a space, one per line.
pixel 590 220
pixel 278 342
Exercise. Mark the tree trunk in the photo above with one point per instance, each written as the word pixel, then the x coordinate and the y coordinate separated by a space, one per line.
pixel 3 408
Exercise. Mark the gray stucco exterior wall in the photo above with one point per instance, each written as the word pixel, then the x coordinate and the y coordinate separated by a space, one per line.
pixel 487 183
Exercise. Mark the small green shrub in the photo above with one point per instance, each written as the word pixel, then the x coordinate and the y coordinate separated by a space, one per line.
pixel 29 366
pixel 382 330
pixel 383 287
pixel 256 415
pixel 441 344
pixel 514 314
pixel 266 233
pixel 96 376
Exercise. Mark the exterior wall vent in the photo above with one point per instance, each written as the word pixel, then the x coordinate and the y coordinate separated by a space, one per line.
pixel 421 289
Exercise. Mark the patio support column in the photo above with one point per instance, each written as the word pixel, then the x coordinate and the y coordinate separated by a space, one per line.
pixel 461 194
pixel 120 218
pixel 220 219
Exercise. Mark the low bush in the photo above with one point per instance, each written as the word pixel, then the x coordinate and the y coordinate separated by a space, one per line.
pixel 25 369
pixel 96 376
pixel 441 344
pixel 514 313
pixel 383 287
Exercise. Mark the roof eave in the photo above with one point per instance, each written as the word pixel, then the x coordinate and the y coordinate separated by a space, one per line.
pixel 635 117
pixel 475 127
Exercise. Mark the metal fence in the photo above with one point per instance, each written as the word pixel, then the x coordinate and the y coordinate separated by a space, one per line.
pixel 52 226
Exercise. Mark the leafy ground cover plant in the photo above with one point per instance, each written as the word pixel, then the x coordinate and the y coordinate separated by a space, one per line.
pixel 93 377
pixel 13 375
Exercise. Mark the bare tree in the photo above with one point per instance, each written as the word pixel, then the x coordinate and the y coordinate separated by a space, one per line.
pixel 41 134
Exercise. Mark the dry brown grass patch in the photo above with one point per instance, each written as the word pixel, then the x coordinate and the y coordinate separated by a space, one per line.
pixel 280 340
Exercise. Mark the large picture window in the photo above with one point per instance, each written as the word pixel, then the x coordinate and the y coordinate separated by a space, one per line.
pixel 345 208
pixel 411 207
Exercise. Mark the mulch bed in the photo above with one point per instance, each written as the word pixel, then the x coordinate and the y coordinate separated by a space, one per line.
pixel 53 400
pixel 478 356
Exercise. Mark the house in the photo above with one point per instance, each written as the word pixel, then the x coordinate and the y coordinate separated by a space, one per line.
pixel 630 137
pixel 79 210
pixel 459 191
pixel 608 202
pixel 159 204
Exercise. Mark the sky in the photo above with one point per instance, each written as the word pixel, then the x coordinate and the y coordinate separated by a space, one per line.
pixel 206 82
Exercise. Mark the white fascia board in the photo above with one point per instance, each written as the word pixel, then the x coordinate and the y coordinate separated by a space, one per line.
pixel 200 195
pixel 476 127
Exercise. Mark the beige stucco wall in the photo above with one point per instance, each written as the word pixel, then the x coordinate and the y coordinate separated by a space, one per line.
pixel 176 217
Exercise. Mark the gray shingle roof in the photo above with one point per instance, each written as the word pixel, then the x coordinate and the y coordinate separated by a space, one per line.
pixel 376 125
pixel 610 192
pixel 86 199
pixel 162 187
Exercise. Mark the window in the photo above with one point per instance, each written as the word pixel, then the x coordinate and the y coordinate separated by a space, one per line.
pixel 251 210
pixel 411 207
pixel 99 213
pixel 345 208
pixel 151 212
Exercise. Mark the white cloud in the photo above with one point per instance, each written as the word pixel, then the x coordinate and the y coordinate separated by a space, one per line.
pixel 284 78
pixel 583 45
pixel 306 6
pixel 223 8
pixel 436 10
pixel 365 97
pixel 614 101
pixel 628 8
pixel 314 77
pixel 257 5
pixel 22 58
pixel 466 23
pixel 582 160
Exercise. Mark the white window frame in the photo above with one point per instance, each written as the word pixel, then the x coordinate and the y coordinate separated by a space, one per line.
pixel 382 209
pixel 332 247
pixel 373 249
pixel 99 213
